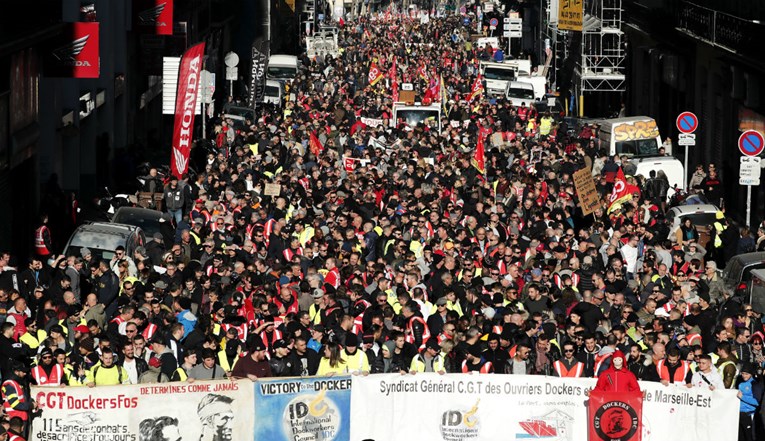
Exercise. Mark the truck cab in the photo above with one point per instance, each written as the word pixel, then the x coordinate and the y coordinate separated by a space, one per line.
pixel 410 115
pixel 497 75
pixel 282 68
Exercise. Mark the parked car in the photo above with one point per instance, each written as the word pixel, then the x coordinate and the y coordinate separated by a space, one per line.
pixel 150 221
pixel 102 238
pixel 701 216
pixel 738 271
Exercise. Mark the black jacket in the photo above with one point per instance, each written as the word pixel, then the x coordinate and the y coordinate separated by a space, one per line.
pixel 303 365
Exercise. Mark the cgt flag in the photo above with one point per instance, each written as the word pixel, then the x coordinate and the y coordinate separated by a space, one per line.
pixel 477 88
pixel 479 157
pixel 374 74
pixel 615 416
pixel 153 16
pixel 185 103
pixel 622 191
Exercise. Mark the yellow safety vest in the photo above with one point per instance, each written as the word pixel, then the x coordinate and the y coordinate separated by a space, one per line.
pixel 33 341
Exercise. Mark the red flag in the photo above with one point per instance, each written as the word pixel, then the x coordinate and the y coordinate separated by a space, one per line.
pixel 422 72
pixel 479 158
pixel 615 416
pixel 622 191
pixel 394 90
pixel 392 70
pixel 477 88
pixel 315 145
pixel 374 74
pixel 185 104
pixel 341 22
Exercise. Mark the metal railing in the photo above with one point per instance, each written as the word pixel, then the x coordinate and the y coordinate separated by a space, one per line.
pixel 719 29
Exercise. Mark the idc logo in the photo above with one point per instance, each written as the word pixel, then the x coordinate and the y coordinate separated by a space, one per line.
pixel 461 425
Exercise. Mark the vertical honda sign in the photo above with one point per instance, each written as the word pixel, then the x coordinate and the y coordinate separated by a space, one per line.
pixel 75 52
pixel 189 82
pixel 260 54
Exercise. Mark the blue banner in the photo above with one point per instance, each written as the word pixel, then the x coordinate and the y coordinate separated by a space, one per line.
pixel 303 409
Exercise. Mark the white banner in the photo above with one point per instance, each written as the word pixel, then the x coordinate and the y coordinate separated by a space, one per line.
pixel 459 407
pixel 214 410
pixel 372 122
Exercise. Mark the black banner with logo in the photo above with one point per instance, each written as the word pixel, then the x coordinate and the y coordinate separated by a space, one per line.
pixel 261 49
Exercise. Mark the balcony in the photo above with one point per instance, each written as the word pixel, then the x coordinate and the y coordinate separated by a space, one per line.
pixel 719 29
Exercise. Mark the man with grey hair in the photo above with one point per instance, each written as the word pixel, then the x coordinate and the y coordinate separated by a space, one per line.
pixel 714 281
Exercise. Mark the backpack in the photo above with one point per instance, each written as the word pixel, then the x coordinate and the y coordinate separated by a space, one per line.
pixel 119 373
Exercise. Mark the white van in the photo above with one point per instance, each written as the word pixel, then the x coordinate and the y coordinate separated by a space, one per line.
pixel 282 68
pixel 274 93
pixel 497 75
pixel 631 136
pixel 412 115
pixel 520 93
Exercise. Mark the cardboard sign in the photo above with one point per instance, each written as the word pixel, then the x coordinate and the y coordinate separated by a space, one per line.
pixel 584 184
pixel 272 190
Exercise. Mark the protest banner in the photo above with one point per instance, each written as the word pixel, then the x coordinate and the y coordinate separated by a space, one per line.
pixel 458 407
pixel 303 409
pixel 206 409
pixel 584 185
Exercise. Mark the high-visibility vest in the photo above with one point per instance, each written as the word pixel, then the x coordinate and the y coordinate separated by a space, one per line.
pixel 425 332
pixel 680 373
pixel 13 395
pixel 149 331
pixel 725 364
pixel 718 227
pixel 40 247
pixel 32 340
pixel 241 330
pixel 599 362
pixel 14 437
pixel 182 376
pixel 314 312
pixel 43 379
pixel 576 370
pixel 486 368
pixel 223 361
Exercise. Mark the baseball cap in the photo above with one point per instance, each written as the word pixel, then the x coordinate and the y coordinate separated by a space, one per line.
pixel 155 362
pixel 81 329
pixel 278 344
pixel 317 293
pixel 441 302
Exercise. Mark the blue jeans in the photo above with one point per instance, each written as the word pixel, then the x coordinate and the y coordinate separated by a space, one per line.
pixel 177 215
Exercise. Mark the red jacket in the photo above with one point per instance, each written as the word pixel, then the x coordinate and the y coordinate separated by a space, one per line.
pixel 617 380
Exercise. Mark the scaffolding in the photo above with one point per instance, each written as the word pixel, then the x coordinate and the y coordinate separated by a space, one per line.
pixel 601 67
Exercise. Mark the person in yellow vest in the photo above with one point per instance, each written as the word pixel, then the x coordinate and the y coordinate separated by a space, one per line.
pixel 106 372
pixel 545 124
pixel 726 365
pixel 356 361
pixel 182 373
pixel 34 337
pixel 331 362
pixel 429 359
pixel 314 311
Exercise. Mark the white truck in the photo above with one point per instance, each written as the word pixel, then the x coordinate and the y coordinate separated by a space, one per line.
pixel 282 68
pixel 411 115
pixel 497 76
pixel 638 138
pixel 323 43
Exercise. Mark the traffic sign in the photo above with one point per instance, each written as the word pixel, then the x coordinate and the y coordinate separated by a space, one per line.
pixel 687 122
pixel 688 139
pixel 507 34
pixel 749 172
pixel 493 22
pixel 751 143
pixel 231 59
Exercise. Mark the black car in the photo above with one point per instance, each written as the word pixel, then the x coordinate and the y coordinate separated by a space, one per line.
pixel 150 221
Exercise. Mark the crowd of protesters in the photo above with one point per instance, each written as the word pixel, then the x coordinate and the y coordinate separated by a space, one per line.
pixel 411 261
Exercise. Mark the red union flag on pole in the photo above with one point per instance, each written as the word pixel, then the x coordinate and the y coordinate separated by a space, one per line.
pixel 374 74
pixel 622 191
pixel 185 104
pixel 479 157
pixel 615 416
pixel 314 144
pixel 477 88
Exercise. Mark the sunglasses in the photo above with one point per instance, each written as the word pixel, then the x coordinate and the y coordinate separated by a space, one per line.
pixel 566 351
